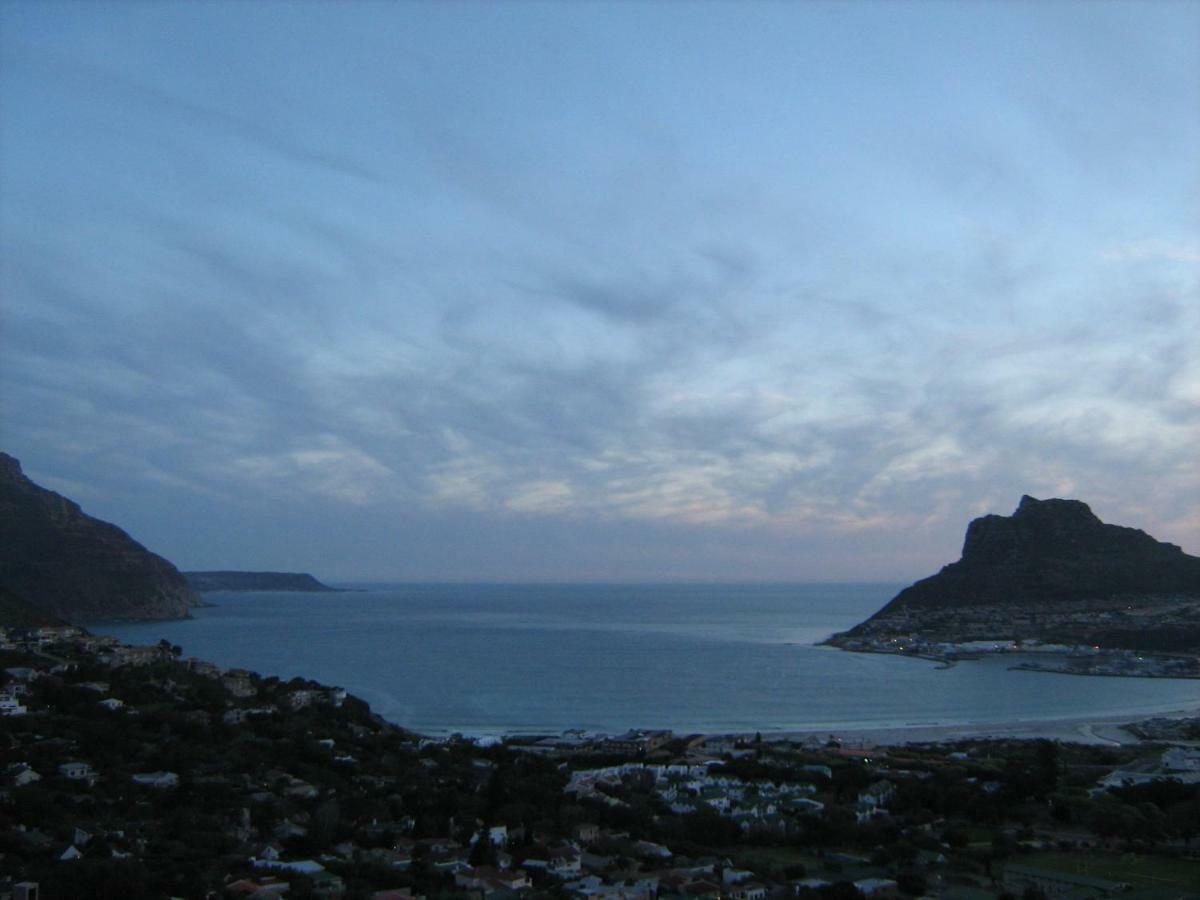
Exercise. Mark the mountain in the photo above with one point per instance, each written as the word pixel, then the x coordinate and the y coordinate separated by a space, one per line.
pixel 1051 571
pixel 18 613
pixel 255 581
pixel 63 562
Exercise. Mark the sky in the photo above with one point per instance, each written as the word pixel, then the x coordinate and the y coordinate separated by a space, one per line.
pixel 626 291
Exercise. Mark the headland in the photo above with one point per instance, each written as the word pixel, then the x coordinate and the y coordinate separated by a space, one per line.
pixel 207 582
pixel 1052 579
pixel 69 565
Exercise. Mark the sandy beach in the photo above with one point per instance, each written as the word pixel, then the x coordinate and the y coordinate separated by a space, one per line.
pixel 1083 730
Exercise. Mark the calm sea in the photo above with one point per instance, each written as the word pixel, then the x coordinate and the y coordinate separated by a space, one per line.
pixel 492 659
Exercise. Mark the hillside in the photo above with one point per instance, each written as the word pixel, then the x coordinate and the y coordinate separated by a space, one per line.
pixel 1052 571
pixel 17 613
pixel 66 563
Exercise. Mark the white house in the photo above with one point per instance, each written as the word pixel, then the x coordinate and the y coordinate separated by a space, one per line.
pixel 497 836
pixel 11 706
pixel 749 891
pixel 734 876
pixel 1181 759
pixel 872 887
pixel 21 774
pixel 877 794
pixel 301 699
pixel 77 771
pixel 300 866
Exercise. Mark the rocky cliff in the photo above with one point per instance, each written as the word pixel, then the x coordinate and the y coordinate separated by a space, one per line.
pixel 64 562
pixel 1053 550
pixel 1052 571
pixel 255 581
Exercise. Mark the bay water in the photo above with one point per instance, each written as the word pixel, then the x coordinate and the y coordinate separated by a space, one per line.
pixel 490 659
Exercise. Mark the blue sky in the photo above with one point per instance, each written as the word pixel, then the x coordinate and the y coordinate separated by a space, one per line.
pixel 600 290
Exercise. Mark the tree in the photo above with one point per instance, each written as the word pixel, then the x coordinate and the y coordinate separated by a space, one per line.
pixel 98 880
pixel 1002 846
pixel 1046 768
pixel 496 794
pixel 842 890
pixel 1184 819
pixel 708 827
pixel 325 821
pixel 483 853
pixel 911 882
pixel 956 838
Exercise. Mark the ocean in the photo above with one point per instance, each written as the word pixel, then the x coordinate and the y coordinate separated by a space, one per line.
pixel 491 659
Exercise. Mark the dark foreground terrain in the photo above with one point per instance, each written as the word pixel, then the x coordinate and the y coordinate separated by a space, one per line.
pixel 130 772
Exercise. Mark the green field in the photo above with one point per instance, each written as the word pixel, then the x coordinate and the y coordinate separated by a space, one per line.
pixel 778 858
pixel 1151 876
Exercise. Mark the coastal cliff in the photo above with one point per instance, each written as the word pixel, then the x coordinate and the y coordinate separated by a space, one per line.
pixel 256 581
pixel 62 561
pixel 1050 572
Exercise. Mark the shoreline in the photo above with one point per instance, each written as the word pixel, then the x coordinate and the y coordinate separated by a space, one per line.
pixel 1038 662
pixel 1107 730
pixel 1096 730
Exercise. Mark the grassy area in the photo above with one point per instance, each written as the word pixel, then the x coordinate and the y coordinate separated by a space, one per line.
pixel 779 858
pixel 958 892
pixel 1175 875
pixel 771 857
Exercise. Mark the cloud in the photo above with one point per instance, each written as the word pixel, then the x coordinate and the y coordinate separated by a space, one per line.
pixel 779 352
pixel 108 84
pixel 1153 250
pixel 327 467
pixel 542 497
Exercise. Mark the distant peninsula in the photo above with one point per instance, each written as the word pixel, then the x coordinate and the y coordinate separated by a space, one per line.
pixel 57 560
pixel 206 582
pixel 1050 574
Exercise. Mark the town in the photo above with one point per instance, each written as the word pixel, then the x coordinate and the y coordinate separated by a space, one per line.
pixel 1074 638
pixel 135 772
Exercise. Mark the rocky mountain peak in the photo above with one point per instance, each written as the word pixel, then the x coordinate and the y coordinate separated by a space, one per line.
pixel 10 467
pixel 67 563
pixel 1049 554
pixel 1037 527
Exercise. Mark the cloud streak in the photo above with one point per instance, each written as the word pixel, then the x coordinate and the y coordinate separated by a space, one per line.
pixel 453 342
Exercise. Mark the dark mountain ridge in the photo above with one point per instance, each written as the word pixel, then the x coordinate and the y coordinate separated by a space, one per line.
pixel 60 560
pixel 1051 571
pixel 1051 550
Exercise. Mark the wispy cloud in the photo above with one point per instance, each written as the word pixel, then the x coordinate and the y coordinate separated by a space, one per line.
pixel 1154 250
pixel 742 336
pixel 142 100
